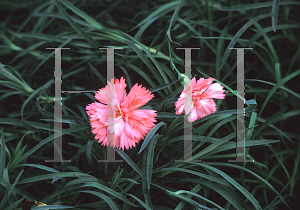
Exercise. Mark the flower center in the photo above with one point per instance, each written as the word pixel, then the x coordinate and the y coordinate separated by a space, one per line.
pixel 118 114
pixel 197 94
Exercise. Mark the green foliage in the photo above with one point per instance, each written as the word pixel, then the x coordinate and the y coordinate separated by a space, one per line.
pixel 148 33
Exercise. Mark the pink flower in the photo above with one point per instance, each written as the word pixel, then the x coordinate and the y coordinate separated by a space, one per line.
pixel 131 124
pixel 202 93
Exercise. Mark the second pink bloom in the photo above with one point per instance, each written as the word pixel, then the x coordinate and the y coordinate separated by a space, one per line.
pixel 202 93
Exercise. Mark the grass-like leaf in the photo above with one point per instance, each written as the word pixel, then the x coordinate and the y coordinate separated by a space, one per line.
pixel 2 155
pixel 150 135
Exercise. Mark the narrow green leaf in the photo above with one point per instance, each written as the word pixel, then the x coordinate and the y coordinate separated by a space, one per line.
pixel 268 29
pixel 201 197
pixel 5 182
pixel 174 18
pixel 257 6
pixel 83 15
pixel 182 203
pixel 14 204
pixel 52 207
pixel 45 168
pixel 215 144
pixel 275 9
pixel 251 124
pixel 89 152
pixel 272 91
pixel 28 50
pixel 19 145
pixel 116 178
pixel 3 154
pixel 245 192
pixel 108 190
pixel 45 37
pixel 252 101
pixel 50 138
pixel 111 204
pixel 130 162
pixel 227 192
pixel 254 174
pixel 189 200
pixel 269 121
pixel 149 166
pixel 145 189
pixel 51 56
pixel 168 115
pixel 100 77
pixel 205 176
pixel 160 11
pixel 16 157
pixel 139 34
pixel 51 175
pixel 238 34
pixel 75 26
pixel 150 135
pixel 129 180
pixel 55 179
pixel 155 89
pixel 15 182
pixel 17 154
pixel 11 75
pixel 137 46
pixel 141 202
pixel 273 84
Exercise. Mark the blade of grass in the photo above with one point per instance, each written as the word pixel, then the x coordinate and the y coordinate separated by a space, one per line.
pixel 130 162
pixel 254 174
pixel 150 135
pixel 108 190
pixel 75 26
pixel 272 91
pixel 149 166
pixel 245 192
pixel 111 204
pixel 173 19
pixel 269 121
pixel 201 197
pixel 50 138
pixel 83 15
pixel 268 29
pixel 89 146
pixel 141 202
pixel 205 176
pixel 238 34
pixel 275 9
pixel 187 200
pixel 182 203
pixel 257 6
pixel 52 207
pixel 145 189
pixel 14 205
pixel 3 155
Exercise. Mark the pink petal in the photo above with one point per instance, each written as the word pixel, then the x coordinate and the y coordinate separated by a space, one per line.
pixel 137 97
pixel 129 125
pixel 202 103
pixel 193 116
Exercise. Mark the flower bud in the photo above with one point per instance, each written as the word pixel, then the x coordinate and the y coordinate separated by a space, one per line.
pixel 185 80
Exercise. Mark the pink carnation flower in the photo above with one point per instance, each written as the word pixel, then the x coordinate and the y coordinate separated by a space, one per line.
pixel 131 124
pixel 202 93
